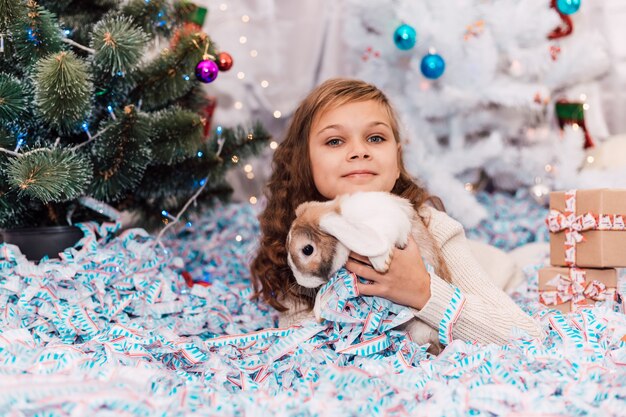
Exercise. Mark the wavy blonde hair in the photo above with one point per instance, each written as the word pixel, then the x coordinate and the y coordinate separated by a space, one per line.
pixel 292 183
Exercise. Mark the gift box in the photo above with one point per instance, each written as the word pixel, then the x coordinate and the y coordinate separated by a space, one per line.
pixel 587 228
pixel 568 289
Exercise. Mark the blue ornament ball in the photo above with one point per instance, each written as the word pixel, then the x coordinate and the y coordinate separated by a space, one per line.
pixel 433 66
pixel 206 71
pixel 568 6
pixel 405 37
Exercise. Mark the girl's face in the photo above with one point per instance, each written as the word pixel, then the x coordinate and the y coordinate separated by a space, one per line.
pixel 352 148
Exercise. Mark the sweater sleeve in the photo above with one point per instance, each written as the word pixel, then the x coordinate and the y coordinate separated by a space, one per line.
pixel 489 314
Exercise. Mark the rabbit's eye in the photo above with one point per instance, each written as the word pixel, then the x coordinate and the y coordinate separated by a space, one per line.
pixel 307 250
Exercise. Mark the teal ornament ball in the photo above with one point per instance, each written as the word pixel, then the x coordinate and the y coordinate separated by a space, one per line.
pixel 568 6
pixel 405 37
pixel 433 66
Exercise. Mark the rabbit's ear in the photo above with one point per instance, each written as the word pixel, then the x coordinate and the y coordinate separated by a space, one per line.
pixel 358 237
pixel 308 205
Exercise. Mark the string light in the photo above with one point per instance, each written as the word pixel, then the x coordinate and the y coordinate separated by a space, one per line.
pixel 220 139
pixel 277 114
pixel 223 7
pixel 586 106
pixel 250 175
pixel 253 200
pixel 245 18
pixel 583 97
pixel 238 105
pixel 273 145
pixel 253 53
pixel 590 159
pixel 110 110
pixel 264 84
pixel 243 39
pixel 165 213
pixel 241 75
pixel 200 154
pixel 238 238
pixel 250 136
pixel 248 168
pixel 86 129
pixel 548 168
pixel 469 187
pixel 235 159
pixel 20 142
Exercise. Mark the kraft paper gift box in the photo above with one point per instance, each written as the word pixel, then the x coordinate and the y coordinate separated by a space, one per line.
pixel 567 289
pixel 587 228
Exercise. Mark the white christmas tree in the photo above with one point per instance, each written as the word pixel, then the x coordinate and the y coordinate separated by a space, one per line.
pixel 475 83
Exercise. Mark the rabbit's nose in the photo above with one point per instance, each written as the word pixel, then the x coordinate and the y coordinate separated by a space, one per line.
pixel 307 250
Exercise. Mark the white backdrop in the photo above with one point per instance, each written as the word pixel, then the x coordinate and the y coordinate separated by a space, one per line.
pixel 283 48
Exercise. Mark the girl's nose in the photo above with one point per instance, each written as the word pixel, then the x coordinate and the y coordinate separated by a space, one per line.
pixel 359 151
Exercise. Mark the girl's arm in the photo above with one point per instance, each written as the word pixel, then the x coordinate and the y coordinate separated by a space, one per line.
pixel 489 314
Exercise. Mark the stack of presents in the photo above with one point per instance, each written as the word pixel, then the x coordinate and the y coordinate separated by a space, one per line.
pixel 587 243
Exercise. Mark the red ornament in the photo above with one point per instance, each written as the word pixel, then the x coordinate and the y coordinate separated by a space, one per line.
pixel 224 61
pixel 564 30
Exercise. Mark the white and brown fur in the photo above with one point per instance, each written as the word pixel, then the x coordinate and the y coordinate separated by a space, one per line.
pixel 368 223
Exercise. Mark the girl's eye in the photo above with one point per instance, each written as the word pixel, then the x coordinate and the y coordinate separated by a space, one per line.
pixel 334 142
pixel 376 139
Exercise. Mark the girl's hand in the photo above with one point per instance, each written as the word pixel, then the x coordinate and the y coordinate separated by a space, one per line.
pixel 406 282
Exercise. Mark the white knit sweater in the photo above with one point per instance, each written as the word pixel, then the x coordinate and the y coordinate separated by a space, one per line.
pixel 489 314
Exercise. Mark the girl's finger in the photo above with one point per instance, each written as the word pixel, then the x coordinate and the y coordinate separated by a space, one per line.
pixel 359 258
pixel 366 289
pixel 361 270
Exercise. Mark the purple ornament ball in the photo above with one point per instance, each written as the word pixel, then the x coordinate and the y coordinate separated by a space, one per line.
pixel 206 71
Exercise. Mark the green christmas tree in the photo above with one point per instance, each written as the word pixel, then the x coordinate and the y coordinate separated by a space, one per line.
pixel 88 114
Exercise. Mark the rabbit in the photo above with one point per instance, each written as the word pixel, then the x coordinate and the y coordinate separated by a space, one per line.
pixel 369 223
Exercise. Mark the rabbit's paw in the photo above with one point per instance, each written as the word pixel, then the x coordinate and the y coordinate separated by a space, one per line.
pixel 381 263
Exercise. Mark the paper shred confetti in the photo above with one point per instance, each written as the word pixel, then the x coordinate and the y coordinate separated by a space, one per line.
pixel 512 220
pixel 113 327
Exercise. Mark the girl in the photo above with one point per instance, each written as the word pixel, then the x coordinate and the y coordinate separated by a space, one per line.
pixel 343 138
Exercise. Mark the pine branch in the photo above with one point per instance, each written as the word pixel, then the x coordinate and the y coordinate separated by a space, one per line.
pixel 49 174
pixel 177 135
pixel 149 15
pixel 79 46
pixel 35 34
pixel 122 156
pixel 169 76
pixel 63 90
pixel 241 141
pixel 118 44
pixel 12 100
